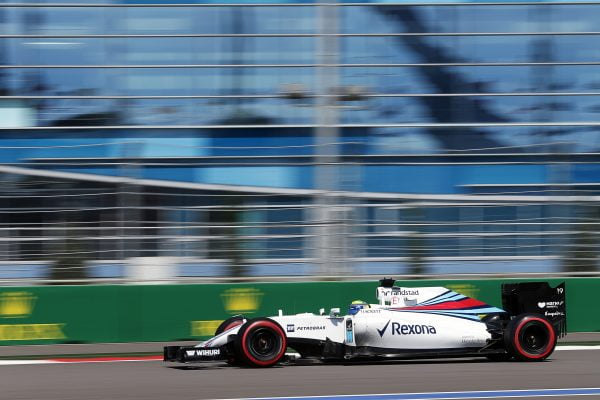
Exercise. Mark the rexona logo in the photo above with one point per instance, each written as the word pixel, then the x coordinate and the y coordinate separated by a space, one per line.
pixel 21 305
pixel 203 353
pixel 407 329
pixel 242 300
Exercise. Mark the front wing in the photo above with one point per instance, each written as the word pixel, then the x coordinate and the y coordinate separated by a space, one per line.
pixel 194 354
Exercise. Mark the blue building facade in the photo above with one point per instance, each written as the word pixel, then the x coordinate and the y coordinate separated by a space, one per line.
pixel 458 99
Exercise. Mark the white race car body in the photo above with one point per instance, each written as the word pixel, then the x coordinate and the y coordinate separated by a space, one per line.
pixel 419 322
pixel 406 319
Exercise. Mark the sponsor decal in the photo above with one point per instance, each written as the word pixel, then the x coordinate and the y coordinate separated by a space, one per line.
pixel 242 300
pixel 290 328
pixel 382 331
pixel 203 353
pixel 405 301
pixel 550 304
pixel 472 340
pixel 21 305
pixel 400 292
pixel 310 328
pixel 204 328
pixel 16 304
pixel 398 328
pixel 367 311
pixel 410 302
pixel 349 333
pixel 405 292
pixel 32 332
pixel 554 313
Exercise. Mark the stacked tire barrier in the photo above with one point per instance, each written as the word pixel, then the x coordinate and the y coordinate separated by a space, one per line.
pixel 138 313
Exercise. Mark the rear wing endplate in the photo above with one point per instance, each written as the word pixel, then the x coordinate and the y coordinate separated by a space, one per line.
pixel 537 298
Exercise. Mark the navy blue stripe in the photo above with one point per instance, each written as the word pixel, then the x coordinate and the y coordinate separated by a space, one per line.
pixel 494 394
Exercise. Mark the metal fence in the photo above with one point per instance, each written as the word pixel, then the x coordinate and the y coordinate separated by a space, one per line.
pixel 68 225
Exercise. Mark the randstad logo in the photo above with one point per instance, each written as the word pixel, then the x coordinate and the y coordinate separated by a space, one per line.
pixel 242 300
pixel 16 304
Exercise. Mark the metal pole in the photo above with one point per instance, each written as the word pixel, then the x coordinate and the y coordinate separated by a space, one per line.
pixel 329 246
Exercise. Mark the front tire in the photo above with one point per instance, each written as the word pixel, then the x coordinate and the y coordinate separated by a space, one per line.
pixel 227 325
pixel 261 342
pixel 530 337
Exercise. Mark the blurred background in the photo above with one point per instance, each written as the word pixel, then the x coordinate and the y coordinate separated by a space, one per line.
pixel 222 140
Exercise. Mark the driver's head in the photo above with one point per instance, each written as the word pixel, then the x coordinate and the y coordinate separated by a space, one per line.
pixel 356 306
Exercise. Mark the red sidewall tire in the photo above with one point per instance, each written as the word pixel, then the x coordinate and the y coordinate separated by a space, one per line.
pixel 245 335
pixel 229 323
pixel 514 333
pixel 225 326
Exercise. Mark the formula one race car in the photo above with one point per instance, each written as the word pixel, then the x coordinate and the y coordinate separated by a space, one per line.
pixel 408 323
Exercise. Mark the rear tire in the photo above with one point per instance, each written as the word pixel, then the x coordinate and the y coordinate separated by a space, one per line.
pixel 260 342
pixel 530 337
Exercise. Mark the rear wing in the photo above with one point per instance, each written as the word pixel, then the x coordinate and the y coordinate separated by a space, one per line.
pixel 537 298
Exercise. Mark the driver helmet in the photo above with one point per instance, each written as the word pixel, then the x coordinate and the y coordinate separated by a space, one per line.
pixel 356 306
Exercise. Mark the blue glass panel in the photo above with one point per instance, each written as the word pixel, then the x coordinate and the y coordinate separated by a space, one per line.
pixel 475 79
pixel 471 18
pixel 58 20
pixel 422 19
pixel 214 20
pixel 57 51
pixel 176 112
pixel 474 109
pixel 447 178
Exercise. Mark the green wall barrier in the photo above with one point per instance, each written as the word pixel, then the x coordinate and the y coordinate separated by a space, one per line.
pixel 132 313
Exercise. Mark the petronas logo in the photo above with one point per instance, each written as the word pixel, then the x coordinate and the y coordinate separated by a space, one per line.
pixel 16 304
pixel 242 300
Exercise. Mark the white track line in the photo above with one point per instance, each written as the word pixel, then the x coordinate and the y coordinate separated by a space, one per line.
pixel 575 347
pixel 483 394
pixel 26 362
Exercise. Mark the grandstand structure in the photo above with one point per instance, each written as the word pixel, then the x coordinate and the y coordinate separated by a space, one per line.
pixel 145 140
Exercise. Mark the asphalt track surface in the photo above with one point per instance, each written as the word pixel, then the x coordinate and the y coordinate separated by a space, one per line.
pixel 150 380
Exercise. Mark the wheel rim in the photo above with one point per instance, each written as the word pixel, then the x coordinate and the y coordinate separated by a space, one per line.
pixel 264 344
pixel 534 338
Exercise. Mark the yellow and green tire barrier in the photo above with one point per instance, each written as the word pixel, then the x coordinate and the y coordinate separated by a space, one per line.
pixel 146 313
